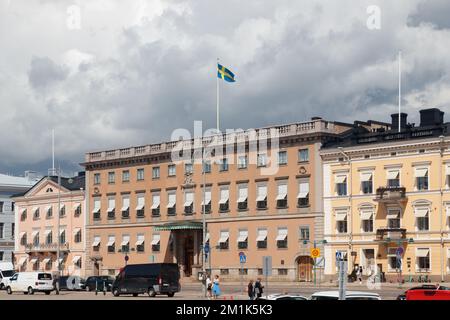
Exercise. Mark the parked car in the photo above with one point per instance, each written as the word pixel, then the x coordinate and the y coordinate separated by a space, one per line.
pixel 281 296
pixel 349 295
pixel 30 282
pixel 71 283
pixel 149 278
pixel 6 272
pixel 422 287
pixel 99 281
pixel 436 293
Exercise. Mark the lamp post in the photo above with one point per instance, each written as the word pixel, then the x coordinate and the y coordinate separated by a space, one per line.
pixel 58 251
pixel 204 225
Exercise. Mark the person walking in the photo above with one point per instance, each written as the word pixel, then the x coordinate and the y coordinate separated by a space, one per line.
pixel 259 288
pixel 359 273
pixel 251 290
pixel 216 287
pixel 209 286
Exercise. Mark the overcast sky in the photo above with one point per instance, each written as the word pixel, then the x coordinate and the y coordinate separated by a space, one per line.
pixel 136 70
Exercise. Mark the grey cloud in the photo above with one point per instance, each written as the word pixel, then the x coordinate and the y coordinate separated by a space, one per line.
pixel 435 12
pixel 44 72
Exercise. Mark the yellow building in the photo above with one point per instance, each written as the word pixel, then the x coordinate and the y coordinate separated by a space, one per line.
pixel 387 199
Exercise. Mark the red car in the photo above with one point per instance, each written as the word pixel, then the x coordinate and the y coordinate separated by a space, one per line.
pixel 437 293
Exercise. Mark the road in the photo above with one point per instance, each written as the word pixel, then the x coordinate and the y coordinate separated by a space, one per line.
pixel 193 291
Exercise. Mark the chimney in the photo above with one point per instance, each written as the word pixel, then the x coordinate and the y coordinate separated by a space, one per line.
pixel 431 117
pixel 394 125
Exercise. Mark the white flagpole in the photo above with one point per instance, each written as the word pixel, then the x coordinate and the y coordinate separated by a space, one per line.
pixel 217 107
pixel 399 88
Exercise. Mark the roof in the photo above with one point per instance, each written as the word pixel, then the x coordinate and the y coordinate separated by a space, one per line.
pixel 71 184
pixel 15 181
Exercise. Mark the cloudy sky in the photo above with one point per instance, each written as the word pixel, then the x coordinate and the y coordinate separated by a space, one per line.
pixel 130 72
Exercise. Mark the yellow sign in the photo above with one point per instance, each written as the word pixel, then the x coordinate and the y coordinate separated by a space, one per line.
pixel 315 253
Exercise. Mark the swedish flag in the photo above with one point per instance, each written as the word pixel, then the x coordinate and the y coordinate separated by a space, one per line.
pixel 225 74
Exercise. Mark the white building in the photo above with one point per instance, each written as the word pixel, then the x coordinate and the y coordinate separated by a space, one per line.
pixel 11 185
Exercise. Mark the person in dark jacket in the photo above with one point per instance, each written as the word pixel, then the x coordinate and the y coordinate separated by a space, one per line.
pixel 251 290
pixel 259 288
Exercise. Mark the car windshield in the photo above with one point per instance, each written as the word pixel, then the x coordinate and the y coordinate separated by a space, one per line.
pixel 8 273
pixel 44 276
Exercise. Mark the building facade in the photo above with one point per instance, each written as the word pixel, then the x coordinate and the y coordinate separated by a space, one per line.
pixel 10 185
pixel 144 206
pixel 45 212
pixel 387 200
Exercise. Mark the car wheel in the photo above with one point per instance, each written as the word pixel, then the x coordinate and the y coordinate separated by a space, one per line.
pixel 116 292
pixel 30 290
pixel 135 294
pixel 151 292
pixel 47 292
pixel 8 290
pixel 171 294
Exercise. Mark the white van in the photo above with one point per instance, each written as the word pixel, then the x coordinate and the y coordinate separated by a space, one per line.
pixel 349 295
pixel 31 282
pixel 6 272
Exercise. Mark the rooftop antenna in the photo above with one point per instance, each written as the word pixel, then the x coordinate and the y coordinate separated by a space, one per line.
pixel 399 89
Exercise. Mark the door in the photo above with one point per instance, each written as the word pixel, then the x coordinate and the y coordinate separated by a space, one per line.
pixel 96 269
pixel 188 256
pixel 305 268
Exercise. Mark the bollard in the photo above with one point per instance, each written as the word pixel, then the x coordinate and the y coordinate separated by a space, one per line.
pixel 96 288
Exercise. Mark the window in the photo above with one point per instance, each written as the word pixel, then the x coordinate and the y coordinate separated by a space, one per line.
pixel 49 212
pixel 140 174
pixel 171 206
pixel 261 240
pixel 243 239
pixel 156 205
pixel 367 220
pixel 242 197
pixel 393 217
pixel 423 259
pixel 111 244
pixel 188 202
pixel 111 208
pixel 13 230
pixel 1 255
pixel 422 218
pixel 111 177
pixel 78 210
pixel 224 272
pixel 125 207
pixel 36 238
pixel 188 169
pixel 140 243
pixel 341 185
pixel 23 239
pixel 207 166
pixel 125 245
pixel 125 175
pixel 303 155
pixel 156 172
pixel 140 207
pixel 421 178
pixel 2 231
pixel 2 204
pixel 77 235
pixel 261 199
pixel 62 236
pixel 366 183
pixel 261 160
pixel 224 200
pixel 96 178
pixel 304 233
pixel 48 237
pixel 207 200
pixel 341 221
pixel 224 165
pixel 96 210
pixel 282 272
pixel 243 271
pixel 282 195
pixel 282 158
pixel 393 262
pixel 303 193
pixel 282 238
pixel 36 213
pixel 12 206
pixel 23 215
pixel 447 176
pixel 62 212
pixel 172 170
pixel 96 244
pixel 156 240
pixel 242 162
pixel 393 178
pixel 224 240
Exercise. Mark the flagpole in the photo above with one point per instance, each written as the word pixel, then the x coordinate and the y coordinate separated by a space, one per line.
pixel 399 88
pixel 217 106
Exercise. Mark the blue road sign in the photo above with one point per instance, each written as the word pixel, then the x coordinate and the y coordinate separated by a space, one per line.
pixel 399 251
pixel 242 257
pixel 338 255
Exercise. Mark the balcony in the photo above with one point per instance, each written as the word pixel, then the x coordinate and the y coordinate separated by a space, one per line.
pixel 390 194
pixel 43 247
pixel 390 234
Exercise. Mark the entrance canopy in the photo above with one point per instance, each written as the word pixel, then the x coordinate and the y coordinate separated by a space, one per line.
pixel 182 225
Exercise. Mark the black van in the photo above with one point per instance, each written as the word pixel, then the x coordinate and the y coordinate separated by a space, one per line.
pixel 149 278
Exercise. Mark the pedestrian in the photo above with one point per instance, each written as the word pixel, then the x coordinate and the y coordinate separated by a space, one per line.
pixel 359 273
pixel 259 288
pixel 216 287
pixel 251 290
pixel 209 286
